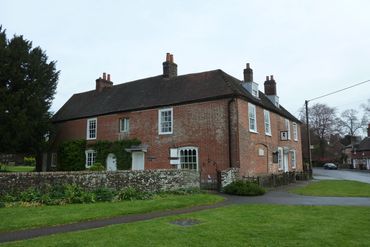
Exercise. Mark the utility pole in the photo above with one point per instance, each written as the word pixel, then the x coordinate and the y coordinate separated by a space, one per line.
pixel 308 139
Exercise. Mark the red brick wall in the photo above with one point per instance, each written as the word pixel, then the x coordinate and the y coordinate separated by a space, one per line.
pixel 202 125
pixel 250 162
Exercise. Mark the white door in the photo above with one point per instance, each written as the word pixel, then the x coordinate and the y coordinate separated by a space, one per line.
pixel 137 160
pixel 286 168
pixel 111 162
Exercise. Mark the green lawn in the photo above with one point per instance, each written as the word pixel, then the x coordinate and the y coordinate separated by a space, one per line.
pixel 22 217
pixel 237 225
pixel 6 168
pixel 335 188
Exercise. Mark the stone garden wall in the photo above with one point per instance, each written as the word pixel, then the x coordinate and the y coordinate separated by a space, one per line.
pixel 145 180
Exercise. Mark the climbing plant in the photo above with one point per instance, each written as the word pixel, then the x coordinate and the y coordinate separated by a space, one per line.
pixel 72 153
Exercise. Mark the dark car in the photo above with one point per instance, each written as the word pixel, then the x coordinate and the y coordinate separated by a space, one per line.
pixel 330 166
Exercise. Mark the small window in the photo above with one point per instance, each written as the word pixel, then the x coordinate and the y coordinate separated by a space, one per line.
pixel 295 131
pixel 294 159
pixel 124 125
pixel 280 158
pixel 252 117
pixel 188 158
pixel 53 160
pixel 267 122
pixel 255 90
pixel 90 158
pixel 287 127
pixel 165 121
pixel 91 128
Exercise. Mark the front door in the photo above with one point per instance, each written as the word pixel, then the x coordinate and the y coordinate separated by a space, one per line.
pixel 111 162
pixel 138 160
pixel 286 168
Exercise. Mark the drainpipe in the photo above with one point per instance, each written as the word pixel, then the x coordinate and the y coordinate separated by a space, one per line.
pixel 229 127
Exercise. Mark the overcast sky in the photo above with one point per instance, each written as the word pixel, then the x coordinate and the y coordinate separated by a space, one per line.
pixel 311 47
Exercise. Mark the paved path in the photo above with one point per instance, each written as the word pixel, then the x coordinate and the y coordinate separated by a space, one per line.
pixel 277 196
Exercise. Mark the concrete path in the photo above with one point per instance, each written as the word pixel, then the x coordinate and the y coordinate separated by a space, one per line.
pixel 276 196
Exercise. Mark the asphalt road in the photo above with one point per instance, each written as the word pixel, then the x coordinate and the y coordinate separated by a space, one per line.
pixel 361 176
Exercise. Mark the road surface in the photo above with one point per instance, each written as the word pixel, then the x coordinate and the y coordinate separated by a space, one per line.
pixel 361 176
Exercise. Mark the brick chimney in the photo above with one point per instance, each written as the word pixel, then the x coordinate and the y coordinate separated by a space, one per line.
pixel 248 74
pixel 270 90
pixel 104 82
pixel 270 86
pixel 169 67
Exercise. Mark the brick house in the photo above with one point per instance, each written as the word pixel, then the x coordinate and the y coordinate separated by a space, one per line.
pixel 208 121
pixel 361 153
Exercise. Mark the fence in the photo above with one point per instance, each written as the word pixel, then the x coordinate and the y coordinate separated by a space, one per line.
pixel 275 180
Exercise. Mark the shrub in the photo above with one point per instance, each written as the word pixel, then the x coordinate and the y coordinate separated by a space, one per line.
pixel 97 167
pixel 2 204
pixel 75 194
pixel 29 161
pixel 72 155
pixel 30 195
pixel 244 188
pixel 130 193
pixel 104 194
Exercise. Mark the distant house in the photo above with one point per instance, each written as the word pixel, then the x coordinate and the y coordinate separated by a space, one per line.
pixel 208 121
pixel 361 153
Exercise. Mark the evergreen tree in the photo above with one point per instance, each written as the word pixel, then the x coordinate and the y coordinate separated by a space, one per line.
pixel 27 87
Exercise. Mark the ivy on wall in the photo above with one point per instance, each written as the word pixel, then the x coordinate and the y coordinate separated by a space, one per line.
pixel 71 154
pixel 103 148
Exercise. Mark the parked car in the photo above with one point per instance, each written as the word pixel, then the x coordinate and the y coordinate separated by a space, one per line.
pixel 330 166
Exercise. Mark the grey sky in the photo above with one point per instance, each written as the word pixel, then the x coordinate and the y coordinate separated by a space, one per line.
pixel 311 47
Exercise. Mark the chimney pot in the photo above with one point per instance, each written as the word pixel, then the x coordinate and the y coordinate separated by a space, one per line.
pixel 169 67
pixel 270 86
pixel 108 79
pixel 248 74
pixel 368 130
pixel 104 76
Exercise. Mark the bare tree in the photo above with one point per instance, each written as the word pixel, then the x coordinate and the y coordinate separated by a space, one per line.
pixel 366 108
pixel 349 123
pixel 322 120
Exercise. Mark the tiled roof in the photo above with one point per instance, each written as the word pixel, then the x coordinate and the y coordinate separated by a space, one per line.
pixel 157 91
pixel 364 144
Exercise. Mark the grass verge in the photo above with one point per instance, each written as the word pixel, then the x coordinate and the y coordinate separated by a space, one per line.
pixel 237 225
pixel 6 168
pixel 335 188
pixel 17 218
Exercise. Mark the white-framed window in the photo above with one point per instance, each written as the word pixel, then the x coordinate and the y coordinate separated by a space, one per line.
pixel 252 117
pixel 255 90
pixel 53 162
pixel 295 131
pixel 91 128
pixel 188 158
pixel 124 125
pixel 287 127
pixel 280 158
pixel 165 121
pixel 90 158
pixel 293 157
pixel 267 122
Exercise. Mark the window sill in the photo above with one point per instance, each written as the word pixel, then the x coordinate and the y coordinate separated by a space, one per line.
pixel 166 133
pixel 267 134
pixel 253 131
pixel 88 139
